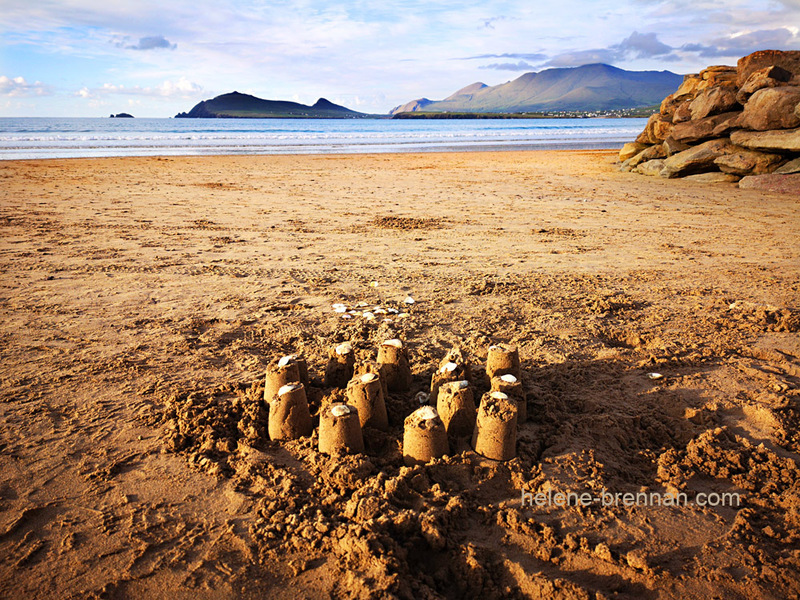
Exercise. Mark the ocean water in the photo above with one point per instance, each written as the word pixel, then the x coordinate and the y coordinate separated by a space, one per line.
pixel 26 138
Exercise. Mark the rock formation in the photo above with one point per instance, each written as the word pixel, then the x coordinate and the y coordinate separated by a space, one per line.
pixel 728 123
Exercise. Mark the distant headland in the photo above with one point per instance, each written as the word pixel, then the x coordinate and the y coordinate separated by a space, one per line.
pixel 244 106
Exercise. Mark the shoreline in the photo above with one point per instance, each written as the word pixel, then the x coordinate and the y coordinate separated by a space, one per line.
pixel 391 150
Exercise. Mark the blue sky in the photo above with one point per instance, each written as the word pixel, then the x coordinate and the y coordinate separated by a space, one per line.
pixel 154 58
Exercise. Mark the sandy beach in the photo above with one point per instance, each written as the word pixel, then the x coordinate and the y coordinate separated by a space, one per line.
pixel 142 298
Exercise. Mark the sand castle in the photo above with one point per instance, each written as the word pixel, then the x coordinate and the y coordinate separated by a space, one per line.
pixel 511 386
pixel 340 367
pixel 495 433
pixel 453 367
pixel 429 430
pixel 280 372
pixel 395 368
pixel 289 417
pixel 365 392
pixel 456 407
pixel 340 430
pixel 424 436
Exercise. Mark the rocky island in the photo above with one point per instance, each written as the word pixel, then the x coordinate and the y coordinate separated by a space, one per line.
pixel 245 106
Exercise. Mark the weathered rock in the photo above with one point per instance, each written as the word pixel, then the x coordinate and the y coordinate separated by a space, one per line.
pixel 774 182
pixel 713 178
pixel 697 159
pixel 651 168
pixel 649 154
pixel 748 162
pixel 683 112
pixel 691 85
pixel 787 140
pixel 793 166
pixel 693 131
pixel 719 75
pixel 768 77
pixel 630 150
pixel 626 167
pixel 672 146
pixel 747 65
pixel 772 108
pixel 669 104
pixel 657 129
pixel 714 101
pixel 724 127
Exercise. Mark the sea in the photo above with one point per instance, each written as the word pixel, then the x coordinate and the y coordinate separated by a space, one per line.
pixel 37 137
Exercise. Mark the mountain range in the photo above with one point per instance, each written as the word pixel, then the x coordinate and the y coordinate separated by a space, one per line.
pixel 244 106
pixel 585 88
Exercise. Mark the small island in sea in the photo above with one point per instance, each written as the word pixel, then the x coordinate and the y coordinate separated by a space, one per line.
pixel 245 106
pixel 120 116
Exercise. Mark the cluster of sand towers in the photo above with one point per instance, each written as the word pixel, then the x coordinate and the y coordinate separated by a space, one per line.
pixel 430 431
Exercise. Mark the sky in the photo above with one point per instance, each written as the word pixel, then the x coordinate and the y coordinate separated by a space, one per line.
pixel 155 58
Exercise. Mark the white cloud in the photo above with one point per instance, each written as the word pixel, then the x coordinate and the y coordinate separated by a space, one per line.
pixel 182 88
pixel 19 87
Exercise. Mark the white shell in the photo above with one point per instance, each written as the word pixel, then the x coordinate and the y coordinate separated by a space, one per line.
pixel 289 387
pixel 362 304
pixel 448 368
pixel 285 360
pixel 498 396
pixel 393 342
pixel 393 311
pixel 367 377
pixel 462 385
pixel 340 410
pixel 508 378
pixel 339 308
pixel 422 397
pixel 342 349
pixel 368 316
pixel 655 375
pixel 408 300
pixel 493 348
pixel 402 315
pixel 347 316
pixel 426 412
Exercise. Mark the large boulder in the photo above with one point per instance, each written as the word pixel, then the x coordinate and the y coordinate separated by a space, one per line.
pixel 697 159
pixel 650 153
pixel 787 140
pixel 781 184
pixel 714 177
pixel 743 161
pixel 656 131
pixel 718 75
pixel 690 87
pixel 651 168
pixel 767 77
pixel 694 131
pixel 714 101
pixel 672 146
pixel 772 108
pixel 788 60
pixel 630 150
pixel 683 112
